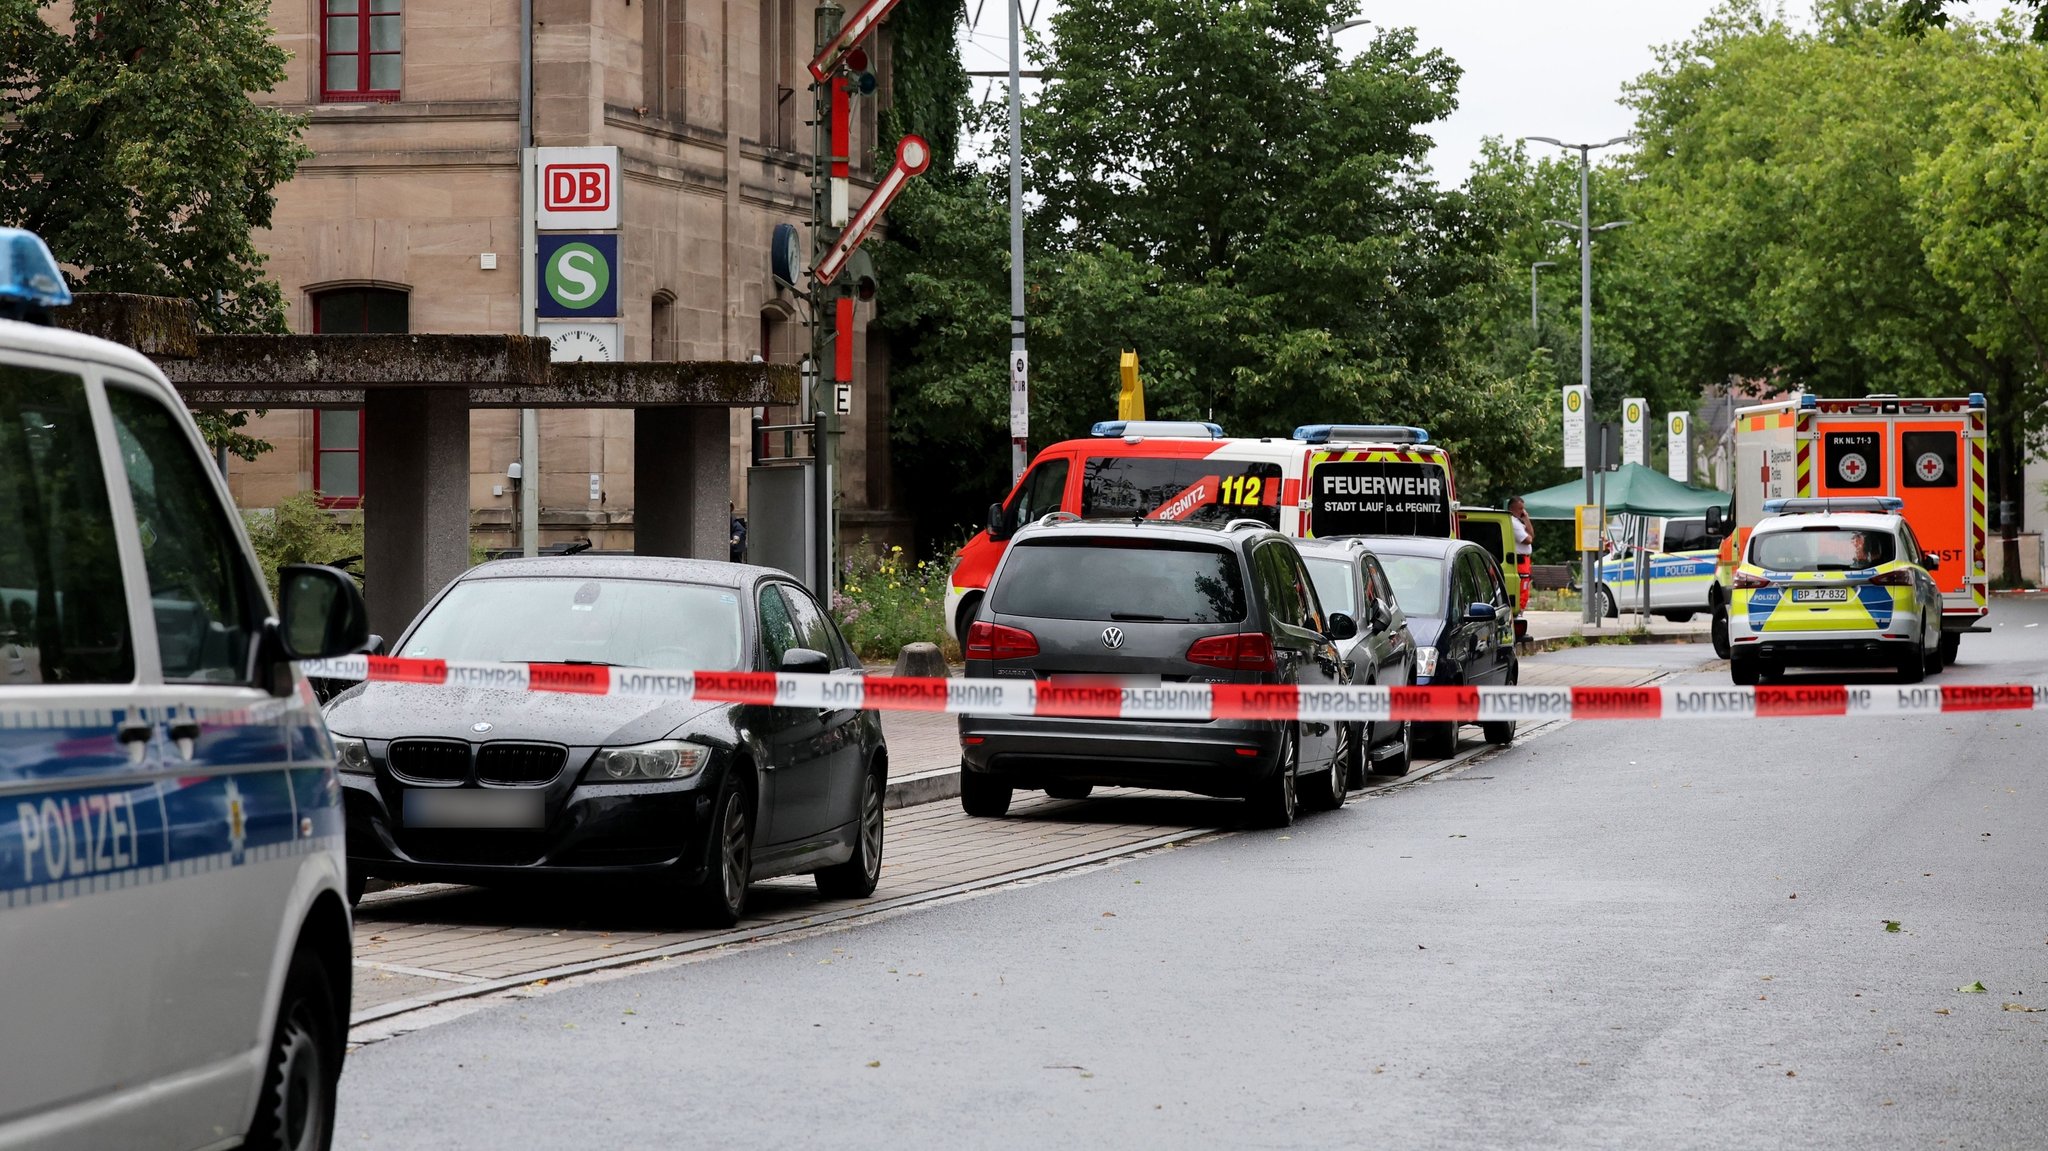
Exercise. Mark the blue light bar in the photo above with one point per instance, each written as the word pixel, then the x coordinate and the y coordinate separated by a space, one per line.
pixel 1361 433
pixel 1976 399
pixel 28 273
pixel 1794 505
pixel 1168 429
pixel 1808 400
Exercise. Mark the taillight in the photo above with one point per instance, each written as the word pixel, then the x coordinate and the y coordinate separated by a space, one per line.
pixel 987 640
pixel 1745 579
pixel 1899 578
pixel 1245 651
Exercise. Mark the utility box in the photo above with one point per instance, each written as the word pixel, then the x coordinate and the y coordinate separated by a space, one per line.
pixel 782 531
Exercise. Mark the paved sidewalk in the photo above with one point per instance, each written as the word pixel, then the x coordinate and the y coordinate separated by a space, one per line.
pixel 1549 625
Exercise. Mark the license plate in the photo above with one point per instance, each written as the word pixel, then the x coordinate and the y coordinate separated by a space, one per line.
pixel 1820 595
pixel 472 807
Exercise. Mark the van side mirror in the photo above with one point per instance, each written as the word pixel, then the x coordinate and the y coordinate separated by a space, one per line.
pixel 1717 523
pixel 320 613
pixel 1342 626
pixel 998 522
pixel 1481 612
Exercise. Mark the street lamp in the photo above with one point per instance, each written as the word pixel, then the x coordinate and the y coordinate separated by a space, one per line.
pixel 1588 577
pixel 1346 25
pixel 1535 319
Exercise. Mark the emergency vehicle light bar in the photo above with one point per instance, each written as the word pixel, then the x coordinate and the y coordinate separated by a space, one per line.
pixel 29 278
pixel 1171 429
pixel 1793 506
pixel 1364 433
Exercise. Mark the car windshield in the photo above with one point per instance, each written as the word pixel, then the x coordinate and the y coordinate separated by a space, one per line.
pixel 1822 549
pixel 1332 578
pixel 624 622
pixel 1418 583
pixel 1135 579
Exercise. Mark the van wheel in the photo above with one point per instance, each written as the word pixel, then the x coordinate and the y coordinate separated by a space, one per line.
pixel 1070 790
pixel 1603 603
pixel 1719 632
pixel 1499 732
pixel 1272 802
pixel 357 884
pixel 1951 643
pixel 1678 616
pixel 1742 670
pixel 970 610
pixel 295 1107
pixel 983 796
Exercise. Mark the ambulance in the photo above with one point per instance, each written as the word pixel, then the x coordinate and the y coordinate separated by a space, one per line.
pixel 1927 453
pixel 1325 480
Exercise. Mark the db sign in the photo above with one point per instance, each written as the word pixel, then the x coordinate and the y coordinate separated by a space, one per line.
pixel 579 189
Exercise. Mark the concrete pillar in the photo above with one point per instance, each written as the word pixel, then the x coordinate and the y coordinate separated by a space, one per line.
pixel 415 500
pixel 682 482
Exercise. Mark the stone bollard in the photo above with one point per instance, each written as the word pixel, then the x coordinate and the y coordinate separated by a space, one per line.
pixel 922 660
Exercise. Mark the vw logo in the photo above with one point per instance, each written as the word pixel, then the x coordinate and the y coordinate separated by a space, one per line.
pixel 1112 637
pixel 480 727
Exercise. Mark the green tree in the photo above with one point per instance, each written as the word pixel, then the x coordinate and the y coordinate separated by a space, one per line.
pixel 1215 188
pixel 1830 208
pixel 130 143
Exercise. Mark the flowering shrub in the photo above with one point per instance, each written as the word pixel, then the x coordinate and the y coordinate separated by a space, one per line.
pixel 886 600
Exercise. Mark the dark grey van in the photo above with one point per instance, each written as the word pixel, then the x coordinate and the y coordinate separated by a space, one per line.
pixel 1151 603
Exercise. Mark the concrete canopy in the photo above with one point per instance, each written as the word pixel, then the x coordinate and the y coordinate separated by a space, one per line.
pixel 416 392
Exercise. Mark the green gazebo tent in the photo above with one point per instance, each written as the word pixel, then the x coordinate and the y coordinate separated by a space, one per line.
pixel 1634 489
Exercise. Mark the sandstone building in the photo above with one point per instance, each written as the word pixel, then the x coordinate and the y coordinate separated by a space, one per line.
pixel 407 218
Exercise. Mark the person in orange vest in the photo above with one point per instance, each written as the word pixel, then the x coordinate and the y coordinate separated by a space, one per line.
pixel 1525 545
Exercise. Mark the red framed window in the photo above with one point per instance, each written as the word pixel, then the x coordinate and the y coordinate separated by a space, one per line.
pixel 360 54
pixel 338 432
pixel 338 456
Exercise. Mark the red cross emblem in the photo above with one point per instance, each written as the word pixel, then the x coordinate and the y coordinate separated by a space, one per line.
pixel 1853 467
pixel 1930 466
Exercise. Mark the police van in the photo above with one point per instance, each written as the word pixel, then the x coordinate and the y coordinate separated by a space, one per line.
pixel 1675 552
pixel 174 936
pixel 1325 480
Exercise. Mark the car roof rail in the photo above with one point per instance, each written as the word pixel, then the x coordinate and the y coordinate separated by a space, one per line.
pixel 1243 522
pixel 1051 518
pixel 1883 505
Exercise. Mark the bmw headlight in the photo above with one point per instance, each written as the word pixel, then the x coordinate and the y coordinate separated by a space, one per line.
pixel 1425 661
pixel 662 759
pixel 351 755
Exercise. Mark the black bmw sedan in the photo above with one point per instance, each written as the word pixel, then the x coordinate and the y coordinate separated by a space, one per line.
pixel 484 785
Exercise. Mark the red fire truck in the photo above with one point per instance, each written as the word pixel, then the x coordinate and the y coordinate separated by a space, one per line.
pixel 1326 479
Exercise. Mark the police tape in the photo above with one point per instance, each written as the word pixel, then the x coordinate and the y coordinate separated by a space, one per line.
pixel 1083 697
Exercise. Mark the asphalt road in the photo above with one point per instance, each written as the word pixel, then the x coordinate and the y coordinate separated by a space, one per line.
pixel 1611 935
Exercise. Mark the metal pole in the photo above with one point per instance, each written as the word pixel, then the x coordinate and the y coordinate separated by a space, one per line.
pixel 825 439
pixel 529 287
pixel 1589 574
pixel 1535 320
pixel 1019 358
